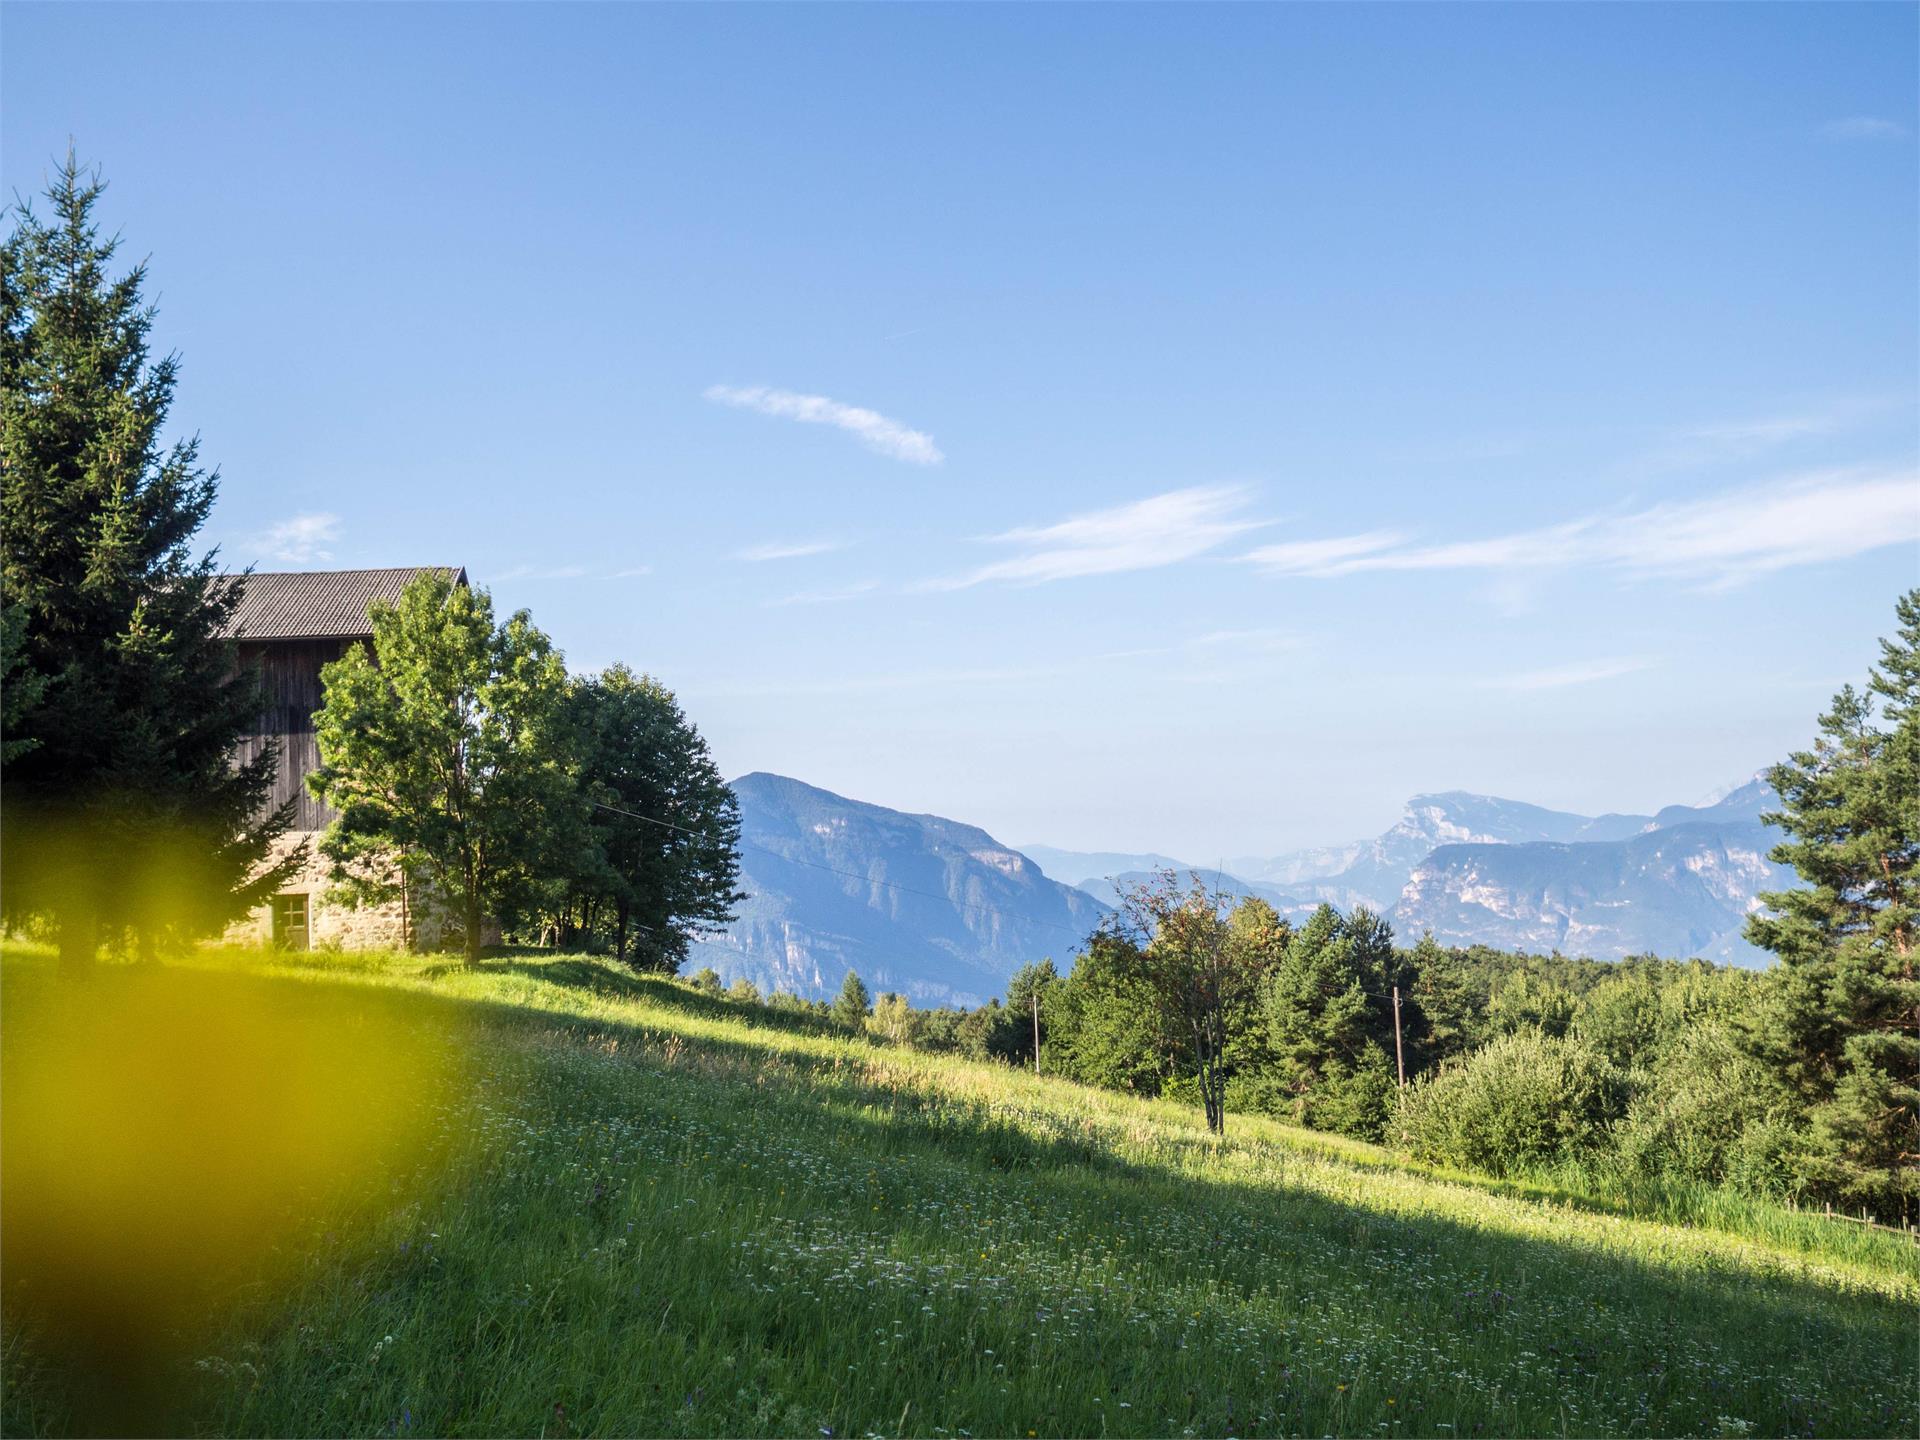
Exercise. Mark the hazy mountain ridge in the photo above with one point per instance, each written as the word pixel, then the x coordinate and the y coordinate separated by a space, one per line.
pixel 1679 891
pixel 935 909
pixel 1477 869
pixel 944 913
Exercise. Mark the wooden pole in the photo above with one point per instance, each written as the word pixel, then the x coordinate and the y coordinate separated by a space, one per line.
pixel 1399 1054
pixel 1034 995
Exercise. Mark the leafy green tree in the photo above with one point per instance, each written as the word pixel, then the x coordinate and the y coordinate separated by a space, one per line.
pixel 1846 1018
pixel 124 814
pixel 665 827
pixel 1101 1024
pixel 851 1006
pixel 449 755
pixel 744 991
pixel 1198 975
pixel 1324 1011
pixel 894 1020
pixel 706 980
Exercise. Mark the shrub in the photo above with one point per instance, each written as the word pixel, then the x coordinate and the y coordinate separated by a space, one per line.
pixel 1709 1111
pixel 1523 1101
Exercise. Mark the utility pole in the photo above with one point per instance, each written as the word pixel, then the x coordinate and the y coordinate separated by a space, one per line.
pixel 1399 1054
pixel 1034 995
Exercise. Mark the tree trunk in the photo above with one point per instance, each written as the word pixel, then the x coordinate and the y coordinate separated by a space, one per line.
pixel 620 934
pixel 474 918
pixel 79 943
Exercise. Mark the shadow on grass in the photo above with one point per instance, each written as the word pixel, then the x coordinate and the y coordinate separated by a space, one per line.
pixel 1775 1319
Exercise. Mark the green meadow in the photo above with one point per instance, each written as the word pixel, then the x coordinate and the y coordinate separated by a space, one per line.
pixel 624 1206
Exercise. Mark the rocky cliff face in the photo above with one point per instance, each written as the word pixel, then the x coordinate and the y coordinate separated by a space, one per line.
pixel 939 911
pixel 1679 889
pixel 1373 872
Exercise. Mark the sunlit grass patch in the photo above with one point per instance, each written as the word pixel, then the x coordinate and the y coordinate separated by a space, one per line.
pixel 657 1212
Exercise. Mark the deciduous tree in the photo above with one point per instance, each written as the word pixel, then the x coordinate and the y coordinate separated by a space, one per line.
pixel 665 827
pixel 449 754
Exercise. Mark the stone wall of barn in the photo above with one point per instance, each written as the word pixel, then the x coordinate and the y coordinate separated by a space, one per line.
pixel 417 921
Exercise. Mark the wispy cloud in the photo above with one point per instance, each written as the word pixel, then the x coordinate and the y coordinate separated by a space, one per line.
pixel 830 595
pixel 1266 640
pixel 788 550
pixel 1863 127
pixel 874 430
pixel 543 572
pixel 1579 672
pixel 569 572
pixel 301 540
pixel 1721 539
pixel 1142 535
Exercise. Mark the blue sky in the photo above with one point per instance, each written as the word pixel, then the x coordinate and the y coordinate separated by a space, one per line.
pixel 1179 428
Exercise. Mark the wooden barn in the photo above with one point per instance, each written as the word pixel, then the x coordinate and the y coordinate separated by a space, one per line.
pixel 290 624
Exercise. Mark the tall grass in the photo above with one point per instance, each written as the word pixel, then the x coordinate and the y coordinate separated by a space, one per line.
pixel 651 1211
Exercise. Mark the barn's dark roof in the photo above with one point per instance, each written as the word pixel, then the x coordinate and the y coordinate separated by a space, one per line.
pixel 320 604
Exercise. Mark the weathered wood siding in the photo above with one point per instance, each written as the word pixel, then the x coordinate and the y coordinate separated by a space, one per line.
pixel 290 693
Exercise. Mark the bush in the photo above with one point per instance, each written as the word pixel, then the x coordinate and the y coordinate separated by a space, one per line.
pixel 1710 1111
pixel 1524 1101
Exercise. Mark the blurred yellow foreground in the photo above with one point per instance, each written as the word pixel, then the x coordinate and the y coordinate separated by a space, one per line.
pixel 173 1139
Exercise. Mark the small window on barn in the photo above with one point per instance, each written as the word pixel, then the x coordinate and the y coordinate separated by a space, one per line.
pixel 290 922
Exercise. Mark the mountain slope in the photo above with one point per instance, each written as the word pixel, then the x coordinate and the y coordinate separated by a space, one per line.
pixel 1373 872
pixel 937 910
pixel 1678 890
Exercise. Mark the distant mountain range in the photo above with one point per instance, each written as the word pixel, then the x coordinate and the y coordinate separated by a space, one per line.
pixel 944 913
pixel 939 911
pixel 1478 869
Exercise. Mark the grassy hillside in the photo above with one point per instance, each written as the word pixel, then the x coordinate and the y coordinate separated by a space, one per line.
pixel 636 1209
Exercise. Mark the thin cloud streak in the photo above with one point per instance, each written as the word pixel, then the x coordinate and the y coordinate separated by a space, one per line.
pixel 828 596
pixel 788 550
pixel 1863 127
pixel 877 432
pixel 299 540
pixel 1579 672
pixel 1141 535
pixel 1721 540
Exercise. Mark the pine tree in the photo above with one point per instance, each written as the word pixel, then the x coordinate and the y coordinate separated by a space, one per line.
pixel 124 814
pixel 854 1001
pixel 1846 1015
pixel 1323 1020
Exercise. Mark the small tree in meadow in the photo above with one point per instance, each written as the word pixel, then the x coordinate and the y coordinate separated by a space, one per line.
pixel 449 755
pixel 1185 958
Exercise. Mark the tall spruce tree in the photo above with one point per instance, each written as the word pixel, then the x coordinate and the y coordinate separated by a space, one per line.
pixel 124 815
pixel 1845 1021
pixel 1324 1019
